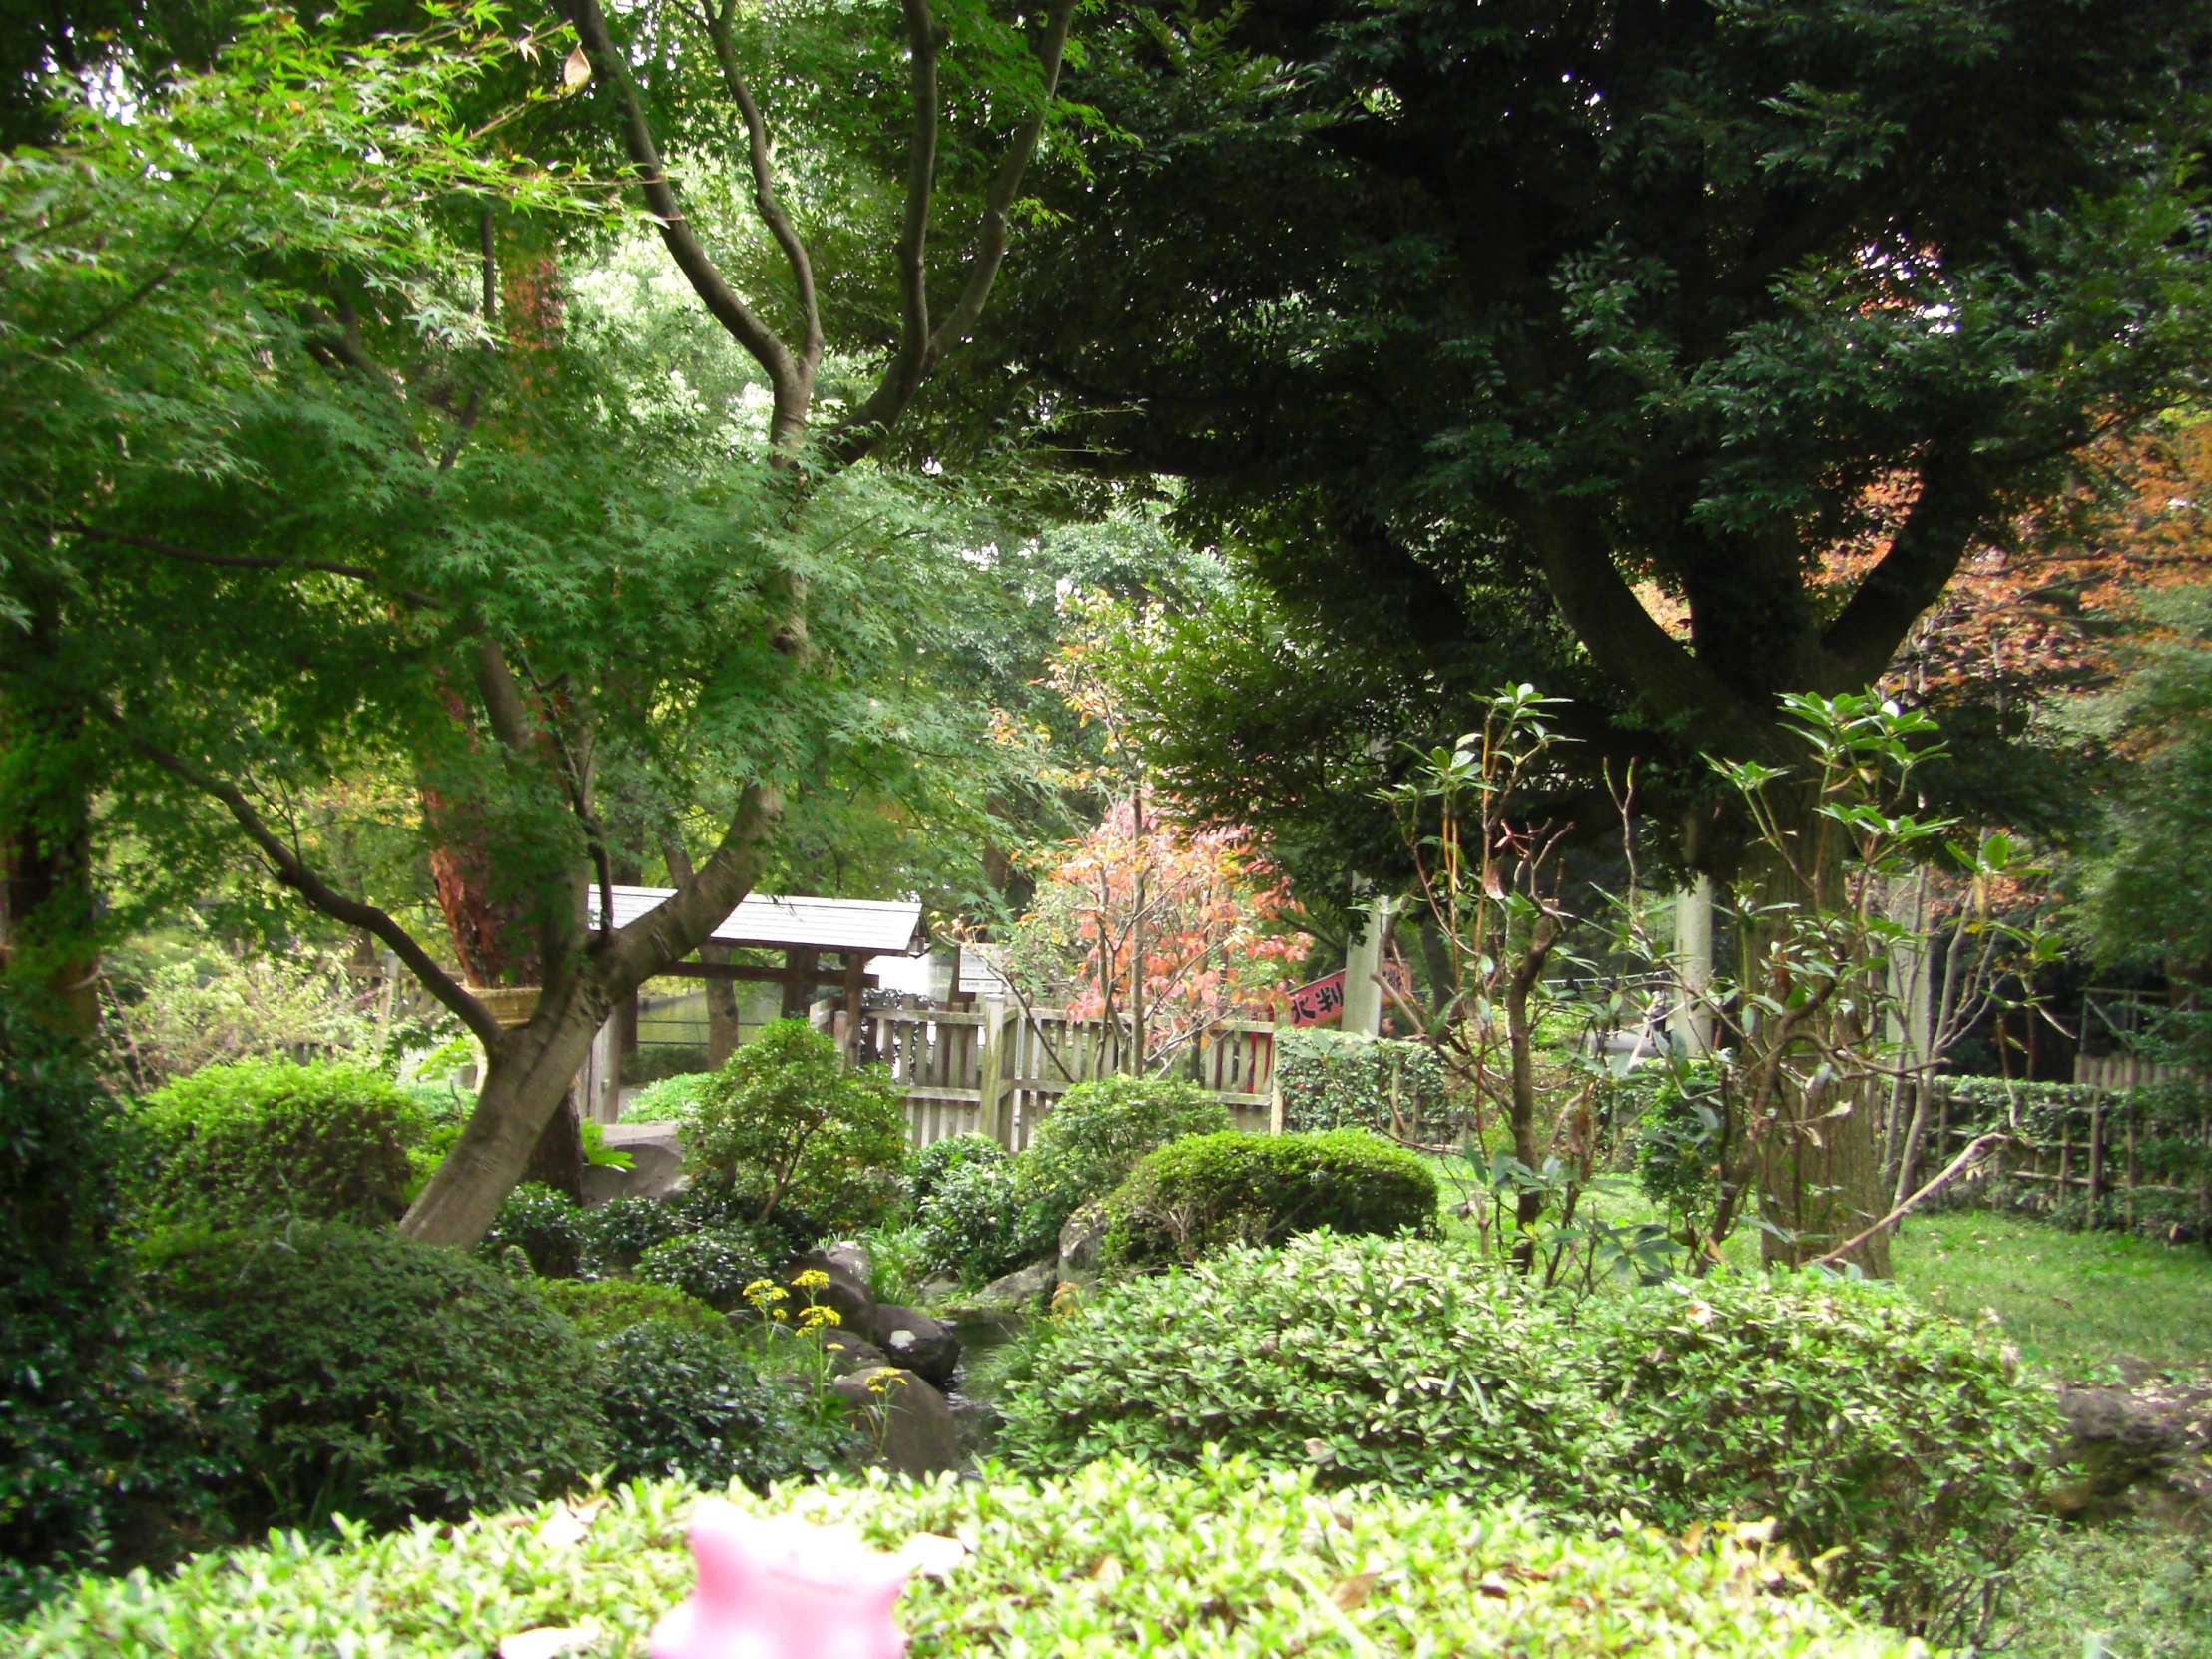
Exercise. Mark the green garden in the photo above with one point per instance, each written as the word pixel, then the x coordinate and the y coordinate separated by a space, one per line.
pixel 1369 828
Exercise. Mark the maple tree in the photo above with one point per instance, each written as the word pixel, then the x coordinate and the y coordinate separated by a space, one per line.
pixel 1160 928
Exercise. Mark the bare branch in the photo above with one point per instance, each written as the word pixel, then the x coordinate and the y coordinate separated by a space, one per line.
pixel 1951 1172
pixel 723 302
pixel 923 347
pixel 294 872
pixel 716 18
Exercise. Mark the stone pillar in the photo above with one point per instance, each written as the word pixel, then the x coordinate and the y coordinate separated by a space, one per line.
pixel 1693 966
pixel 1362 963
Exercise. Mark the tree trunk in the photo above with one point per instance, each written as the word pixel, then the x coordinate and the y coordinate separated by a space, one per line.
pixel 1817 1151
pixel 46 862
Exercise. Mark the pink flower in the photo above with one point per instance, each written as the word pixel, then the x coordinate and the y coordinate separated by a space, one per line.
pixel 776 1587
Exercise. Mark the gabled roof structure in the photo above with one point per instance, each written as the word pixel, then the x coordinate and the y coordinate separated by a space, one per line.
pixel 867 927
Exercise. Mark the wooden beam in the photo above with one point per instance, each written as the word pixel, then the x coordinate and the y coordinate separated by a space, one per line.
pixel 757 975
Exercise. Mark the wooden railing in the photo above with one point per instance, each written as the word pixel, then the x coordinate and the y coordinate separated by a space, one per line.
pixel 998 1072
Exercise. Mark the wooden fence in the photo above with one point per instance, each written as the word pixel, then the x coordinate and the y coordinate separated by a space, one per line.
pixel 2111 1150
pixel 998 1071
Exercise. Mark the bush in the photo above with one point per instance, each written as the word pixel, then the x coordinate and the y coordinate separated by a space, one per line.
pixel 713 1266
pixel 1368 1358
pixel 114 1422
pixel 1092 1139
pixel 1860 1423
pixel 260 1140
pixel 1204 1190
pixel 615 1234
pixel 1230 1561
pixel 1857 1419
pixel 392 1378
pixel 546 1226
pixel 601 1308
pixel 1334 1081
pixel 1676 1136
pixel 667 1100
pixel 971 1223
pixel 940 1158
pixel 787 1115
pixel 682 1402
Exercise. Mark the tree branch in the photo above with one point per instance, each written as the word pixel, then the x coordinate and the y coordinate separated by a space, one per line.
pixel 723 302
pixel 677 926
pixel 295 874
pixel 1623 639
pixel 248 561
pixel 716 18
pixel 923 347
pixel 1910 577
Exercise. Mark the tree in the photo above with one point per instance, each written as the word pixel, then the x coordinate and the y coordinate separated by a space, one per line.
pixel 1461 321
pixel 501 558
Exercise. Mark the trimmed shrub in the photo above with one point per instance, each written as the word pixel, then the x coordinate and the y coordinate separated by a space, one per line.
pixel 1334 1081
pixel 971 1225
pixel 546 1226
pixel 788 1116
pixel 1206 1190
pixel 392 1378
pixel 713 1266
pixel 1676 1135
pixel 1857 1419
pixel 1092 1139
pixel 262 1140
pixel 681 1401
pixel 1231 1562
pixel 1393 1360
pixel 601 1308
pixel 940 1158
pixel 115 1424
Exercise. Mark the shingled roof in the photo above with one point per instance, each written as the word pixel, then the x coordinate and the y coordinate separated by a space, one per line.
pixel 879 927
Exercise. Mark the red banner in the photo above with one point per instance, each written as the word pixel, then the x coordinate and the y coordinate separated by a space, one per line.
pixel 1318 1002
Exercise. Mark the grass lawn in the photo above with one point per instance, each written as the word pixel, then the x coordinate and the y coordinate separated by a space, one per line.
pixel 2073 1302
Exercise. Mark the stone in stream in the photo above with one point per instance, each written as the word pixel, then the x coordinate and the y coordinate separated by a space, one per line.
pixel 917 1341
pixel 846 1292
pixel 908 1421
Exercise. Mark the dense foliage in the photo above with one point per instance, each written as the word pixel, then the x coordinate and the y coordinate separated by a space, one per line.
pixel 601 1308
pixel 260 1140
pixel 391 1378
pixel 1333 1080
pixel 1860 1423
pixel 712 1265
pixel 1204 1190
pixel 940 1158
pixel 681 1401
pixel 1225 1560
pixel 116 1426
pixel 788 1113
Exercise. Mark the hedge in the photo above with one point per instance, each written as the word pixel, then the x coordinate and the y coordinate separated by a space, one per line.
pixel 1226 1561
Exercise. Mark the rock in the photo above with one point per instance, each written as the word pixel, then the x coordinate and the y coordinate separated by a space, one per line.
pixel 852 1256
pixel 846 1292
pixel 2144 1449
pixel 909 1421
pixel 656 1163
pixel 938 1285
pixel 1027 1289
pixel 1082 1238
pixel 849 1352
pixel 917 1341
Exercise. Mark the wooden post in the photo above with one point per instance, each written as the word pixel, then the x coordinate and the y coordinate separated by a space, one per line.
pixel 991 1120
pixel 2096 1158
pixel 2132 1113
pixel 2065 1155
pixel 855 966
pixel 1274 1079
